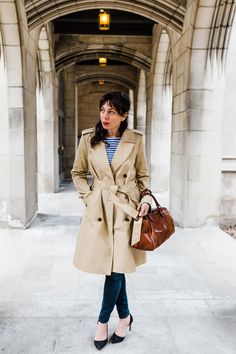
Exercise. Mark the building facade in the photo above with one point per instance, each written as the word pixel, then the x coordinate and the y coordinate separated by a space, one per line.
pixel 175 59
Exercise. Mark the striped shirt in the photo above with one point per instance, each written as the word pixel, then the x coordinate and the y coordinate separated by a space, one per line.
pixel 111 145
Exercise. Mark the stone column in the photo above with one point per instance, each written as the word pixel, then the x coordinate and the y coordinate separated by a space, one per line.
pixel 196 128
pixel 161 119
pixel 228 197
pixel 47 117
pixel 47 126
pixel 70 118
pixel 141 103
pixel 18 194
pixel 131 111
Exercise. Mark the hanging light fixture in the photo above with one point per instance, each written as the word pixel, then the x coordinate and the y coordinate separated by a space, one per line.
pixel 101 82
pixel 102 61
pixel 104 20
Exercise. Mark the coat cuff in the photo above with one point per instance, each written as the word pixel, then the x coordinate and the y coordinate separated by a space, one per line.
pixel 147 199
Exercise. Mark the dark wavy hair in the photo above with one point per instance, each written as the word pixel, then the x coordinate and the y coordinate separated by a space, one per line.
pixel 121 103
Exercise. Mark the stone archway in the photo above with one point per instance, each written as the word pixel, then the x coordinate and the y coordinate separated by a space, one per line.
pixel 118 79
pixel 89 52
pixel 169 13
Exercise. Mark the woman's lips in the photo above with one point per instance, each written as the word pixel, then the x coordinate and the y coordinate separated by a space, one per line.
pixel 105 124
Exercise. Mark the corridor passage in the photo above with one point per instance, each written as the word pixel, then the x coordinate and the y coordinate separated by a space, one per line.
pixel 183 300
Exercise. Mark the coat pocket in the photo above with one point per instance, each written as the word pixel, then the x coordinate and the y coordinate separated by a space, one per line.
pixel 87 197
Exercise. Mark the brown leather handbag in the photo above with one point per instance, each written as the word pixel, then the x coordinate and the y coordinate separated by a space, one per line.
pixel 157 227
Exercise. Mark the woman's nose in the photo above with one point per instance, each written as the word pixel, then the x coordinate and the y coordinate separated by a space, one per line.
pixel 105 115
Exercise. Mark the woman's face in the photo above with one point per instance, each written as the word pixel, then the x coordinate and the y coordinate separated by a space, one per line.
pixel 110 118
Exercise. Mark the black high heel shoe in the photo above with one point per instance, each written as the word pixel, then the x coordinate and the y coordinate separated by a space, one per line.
pixel 117 339
pixel 99 344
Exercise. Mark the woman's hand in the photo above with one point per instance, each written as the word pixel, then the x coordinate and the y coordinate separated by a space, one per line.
pixel 144 209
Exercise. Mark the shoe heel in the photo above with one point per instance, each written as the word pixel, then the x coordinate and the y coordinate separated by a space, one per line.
pixel 130 322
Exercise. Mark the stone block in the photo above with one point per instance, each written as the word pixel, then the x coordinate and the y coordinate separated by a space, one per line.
pixel 198 143
pixel 204 17
pixel 14 66
pixel 207 3
pixel 16 118
pixel 16 138
pixel 4 142
pixel 17 210
pixel 11 34
pixel 8 11
pixel 179 122
pixel 178 166
pixel 15 97
pixel 201 38
pixel 178 143
pixel 197 73
pixel 31 205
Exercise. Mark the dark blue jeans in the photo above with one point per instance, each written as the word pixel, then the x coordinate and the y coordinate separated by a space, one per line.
pixel 114 294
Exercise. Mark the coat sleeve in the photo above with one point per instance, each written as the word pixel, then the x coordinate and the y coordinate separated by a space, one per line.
pixel 80 169
pixel 142 175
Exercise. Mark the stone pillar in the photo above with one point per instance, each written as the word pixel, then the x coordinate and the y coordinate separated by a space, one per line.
pixel 70 118
pixel 161 119
pixel 196 128
pixel 150 82
pixel 4 139
pixel 18 194
pixel 141 103
pixel 47 117
pixel 47 126
pixel 228 197
pixel 131 111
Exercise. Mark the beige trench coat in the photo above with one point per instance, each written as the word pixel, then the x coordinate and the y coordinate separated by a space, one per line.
pixel 103 244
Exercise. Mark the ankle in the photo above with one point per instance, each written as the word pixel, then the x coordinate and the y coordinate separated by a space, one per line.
pixel 125 319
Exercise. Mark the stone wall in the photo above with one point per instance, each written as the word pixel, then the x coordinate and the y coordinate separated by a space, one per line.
pixel 228 198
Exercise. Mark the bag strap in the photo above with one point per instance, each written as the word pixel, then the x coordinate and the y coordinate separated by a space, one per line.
pixel 148 192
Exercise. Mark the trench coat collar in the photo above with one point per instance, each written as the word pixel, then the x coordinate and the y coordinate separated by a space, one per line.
pixel 124 148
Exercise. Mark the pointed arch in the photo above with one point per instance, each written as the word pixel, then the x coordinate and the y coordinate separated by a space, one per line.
pixel 169 13
pixel 109 77
pixel 89 52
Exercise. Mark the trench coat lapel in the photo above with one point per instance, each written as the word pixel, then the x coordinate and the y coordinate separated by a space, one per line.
pixel 100 156
pixel 123 150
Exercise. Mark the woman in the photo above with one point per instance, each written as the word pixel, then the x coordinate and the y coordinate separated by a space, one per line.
pixel 115 157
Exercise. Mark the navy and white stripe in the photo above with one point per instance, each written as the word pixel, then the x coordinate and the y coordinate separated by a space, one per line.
pixel 111 146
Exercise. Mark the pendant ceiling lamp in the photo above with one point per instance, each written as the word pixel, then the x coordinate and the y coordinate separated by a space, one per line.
pixel 104 20
pixel 102 61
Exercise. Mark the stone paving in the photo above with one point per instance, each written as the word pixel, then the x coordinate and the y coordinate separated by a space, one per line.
pixel 183 300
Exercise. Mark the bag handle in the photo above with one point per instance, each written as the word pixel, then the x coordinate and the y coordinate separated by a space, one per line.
pixel 148 192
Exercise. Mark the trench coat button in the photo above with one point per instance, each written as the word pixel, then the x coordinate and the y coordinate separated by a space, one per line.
pixel 99 219
pixel 125 175
pixel 127 219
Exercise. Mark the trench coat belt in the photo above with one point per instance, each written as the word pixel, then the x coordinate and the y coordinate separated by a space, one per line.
pixel 128 209
pixel 113 189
